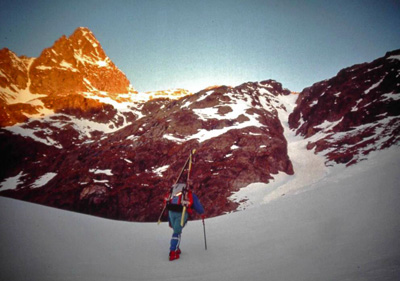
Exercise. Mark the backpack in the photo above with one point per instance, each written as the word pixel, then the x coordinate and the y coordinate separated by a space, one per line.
pixel 174 202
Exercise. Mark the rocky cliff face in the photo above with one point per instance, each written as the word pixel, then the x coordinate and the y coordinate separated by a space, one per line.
pixel 14 79
pixel 14 73
pixel 65 77
pixel 74 65
pixel 125 174
pixel 353 113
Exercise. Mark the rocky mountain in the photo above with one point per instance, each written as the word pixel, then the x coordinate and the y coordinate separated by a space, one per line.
pixel 355 112
pixel 77 136
pixel 74 65
pixel 124 173
pixel 60 80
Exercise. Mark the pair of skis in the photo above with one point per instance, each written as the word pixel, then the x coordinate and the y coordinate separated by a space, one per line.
pixel 188 165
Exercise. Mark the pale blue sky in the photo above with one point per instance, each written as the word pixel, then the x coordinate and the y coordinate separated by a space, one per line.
pixel 194 44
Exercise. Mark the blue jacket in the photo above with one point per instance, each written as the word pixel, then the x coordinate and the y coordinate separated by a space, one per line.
pixel 174 217
pixel 197 205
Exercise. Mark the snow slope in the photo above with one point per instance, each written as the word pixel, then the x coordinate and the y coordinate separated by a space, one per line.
pixel 344 228
pixel 309 168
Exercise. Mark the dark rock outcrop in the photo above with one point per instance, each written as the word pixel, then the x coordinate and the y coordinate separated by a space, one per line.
pixel 353 113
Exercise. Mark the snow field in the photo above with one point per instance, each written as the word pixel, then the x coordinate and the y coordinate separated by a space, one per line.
pixel 345 228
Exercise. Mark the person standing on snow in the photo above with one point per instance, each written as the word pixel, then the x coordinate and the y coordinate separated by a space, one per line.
pixel 175 205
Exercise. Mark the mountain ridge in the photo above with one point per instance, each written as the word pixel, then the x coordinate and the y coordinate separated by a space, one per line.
pixel 236 127
pixel 115 154
pixel 72 76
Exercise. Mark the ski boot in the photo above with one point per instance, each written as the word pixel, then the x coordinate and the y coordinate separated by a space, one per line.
pixel 174 255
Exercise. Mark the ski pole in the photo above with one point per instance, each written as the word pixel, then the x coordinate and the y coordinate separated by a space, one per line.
pixel 204 229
